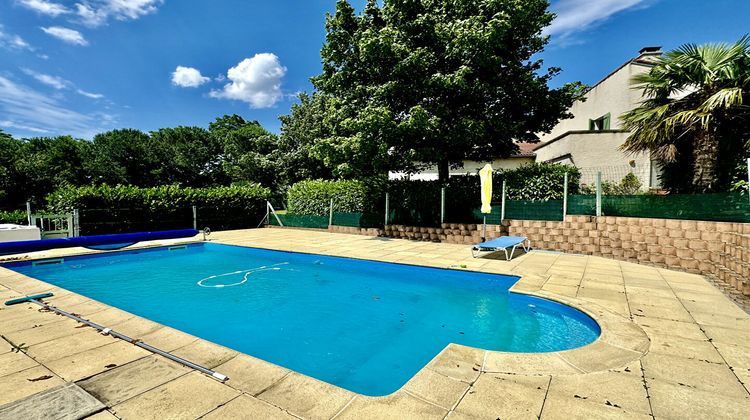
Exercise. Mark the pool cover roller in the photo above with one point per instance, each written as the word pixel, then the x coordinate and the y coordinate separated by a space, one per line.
pixel 100 242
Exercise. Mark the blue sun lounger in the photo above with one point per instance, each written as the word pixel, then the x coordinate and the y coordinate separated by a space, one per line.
pixel 502 243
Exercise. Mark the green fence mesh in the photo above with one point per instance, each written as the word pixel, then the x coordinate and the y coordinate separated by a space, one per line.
pixel 584 205
pixel 728 207
pixel 534 210
pixel 362 220
pixel 301 220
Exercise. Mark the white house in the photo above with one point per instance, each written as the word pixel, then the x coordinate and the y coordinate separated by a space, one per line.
pixel 591 140
pixel 525 155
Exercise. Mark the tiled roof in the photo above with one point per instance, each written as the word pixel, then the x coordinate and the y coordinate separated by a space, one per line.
pixel 525 149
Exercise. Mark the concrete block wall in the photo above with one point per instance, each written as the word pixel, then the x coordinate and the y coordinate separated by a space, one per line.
pixel 716 249
pixel 719 250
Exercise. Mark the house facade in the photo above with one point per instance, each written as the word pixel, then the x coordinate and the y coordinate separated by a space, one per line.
pixel 591 140
pixel 524 156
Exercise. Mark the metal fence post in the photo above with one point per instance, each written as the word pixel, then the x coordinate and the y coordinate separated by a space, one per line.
pixel 386 209
pixel 195 218
pixel 28 210
pixel 502 205
pixel 330 214
pixel 442 205
pixel 76 223
pixel 598 194
pixel 748 179
pixel 565 197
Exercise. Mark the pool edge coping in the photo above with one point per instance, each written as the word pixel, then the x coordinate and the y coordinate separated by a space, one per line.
pixel 621 341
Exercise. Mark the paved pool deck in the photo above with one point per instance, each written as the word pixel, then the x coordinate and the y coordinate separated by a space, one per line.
pixel 672 347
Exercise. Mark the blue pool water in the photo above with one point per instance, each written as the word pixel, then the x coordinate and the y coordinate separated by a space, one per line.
pixel 363 325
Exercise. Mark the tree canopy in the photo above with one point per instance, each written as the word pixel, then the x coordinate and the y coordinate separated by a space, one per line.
pixel 434 82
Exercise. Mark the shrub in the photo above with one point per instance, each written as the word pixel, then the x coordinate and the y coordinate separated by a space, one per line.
pixel 629 185
pixel 17 217
pixel 313 197
pixel 536 182
pixel 121 208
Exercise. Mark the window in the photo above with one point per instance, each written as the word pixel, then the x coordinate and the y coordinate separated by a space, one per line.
pixel 599 124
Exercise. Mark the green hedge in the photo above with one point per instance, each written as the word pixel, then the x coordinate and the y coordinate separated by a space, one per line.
pixel 314 197
pixel 116 209
pixel 17 217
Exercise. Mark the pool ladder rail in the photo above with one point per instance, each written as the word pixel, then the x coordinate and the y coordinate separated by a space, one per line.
pixel 109 331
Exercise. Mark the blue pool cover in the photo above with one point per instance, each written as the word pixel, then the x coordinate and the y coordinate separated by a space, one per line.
pixel 102 242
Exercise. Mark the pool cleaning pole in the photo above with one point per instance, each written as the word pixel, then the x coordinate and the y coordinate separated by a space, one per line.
pixel 104 330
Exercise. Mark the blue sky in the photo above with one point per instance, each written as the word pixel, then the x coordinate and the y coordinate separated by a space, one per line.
pixel 85 66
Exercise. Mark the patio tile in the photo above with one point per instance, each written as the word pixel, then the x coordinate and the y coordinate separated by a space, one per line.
pixel 124 382
pixel 682 347
pixel 728 335
pixel 436 388
pixel 247 407
pixel 205 353
pixel 27 382
pixel 707 376
pixel 61 347
pixel 504 396
pixel 12 362
pixel 168 339
pixel 459 362
pixel 673 401
pixel 307 397
pixel 399 405
pixel 658 326
pixel 96 360
pixel 188 396
pixel 67 401
pixel 599 356
pixel 251 375
pixel 719 320
pixel 35 335
pixel 528 363
pixel 557 406
pixel 608 389
pixel 670 313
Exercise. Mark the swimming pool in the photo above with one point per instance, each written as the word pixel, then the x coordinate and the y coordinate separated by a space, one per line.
pixel 363 325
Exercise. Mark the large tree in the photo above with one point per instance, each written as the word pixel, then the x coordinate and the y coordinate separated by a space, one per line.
pixel 247 150
pixel 122 157
pixel 299 132
pixel 436 82
pixel 696 114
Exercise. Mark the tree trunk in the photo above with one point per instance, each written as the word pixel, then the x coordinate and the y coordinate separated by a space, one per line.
pixel 706 153
pixel 443 171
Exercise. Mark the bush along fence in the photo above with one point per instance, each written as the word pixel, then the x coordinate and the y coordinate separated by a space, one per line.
pixel 118 209
pixel 535 192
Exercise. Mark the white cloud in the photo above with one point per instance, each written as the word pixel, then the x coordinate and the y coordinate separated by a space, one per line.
pixel 29 110
pixel 578 15
pixel 188 77
pixel 255 80
pixel 53 81
pixel 59 83
pixel 45 7
pixel 71 36
pixel 89 94
pixel 97 12
pixel 12 41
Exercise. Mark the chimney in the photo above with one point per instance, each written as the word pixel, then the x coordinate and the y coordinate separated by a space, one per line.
pixel 649 53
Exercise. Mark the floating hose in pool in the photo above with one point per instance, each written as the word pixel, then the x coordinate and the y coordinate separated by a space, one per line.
pixel 244 277
pixel 108 331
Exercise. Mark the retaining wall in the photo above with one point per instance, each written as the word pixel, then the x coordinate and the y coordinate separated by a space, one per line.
pixel 720 250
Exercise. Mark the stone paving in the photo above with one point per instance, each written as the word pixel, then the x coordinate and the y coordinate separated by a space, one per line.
pixel 672 346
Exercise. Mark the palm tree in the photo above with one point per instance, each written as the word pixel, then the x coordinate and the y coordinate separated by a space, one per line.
pixel 690 93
